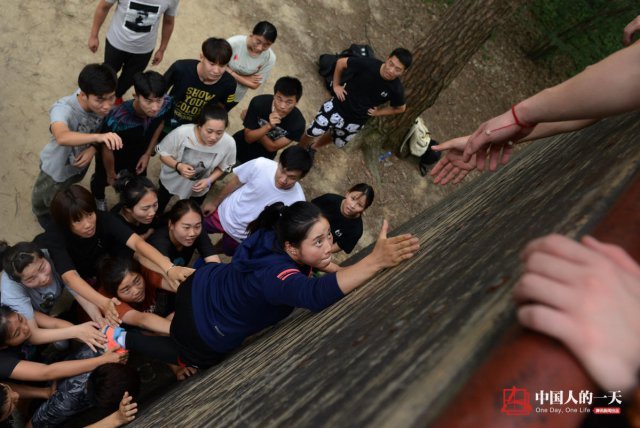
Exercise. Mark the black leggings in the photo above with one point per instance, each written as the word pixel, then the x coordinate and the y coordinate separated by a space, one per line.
pixel 184 346
pixel 130 64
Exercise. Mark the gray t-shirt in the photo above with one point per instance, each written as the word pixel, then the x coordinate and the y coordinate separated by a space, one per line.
pixel 134 27
pixel 25 300
pixel 246 65
pixel 56 160
pixel 182 145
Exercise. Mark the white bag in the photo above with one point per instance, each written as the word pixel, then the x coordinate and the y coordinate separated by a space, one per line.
pixel 418 138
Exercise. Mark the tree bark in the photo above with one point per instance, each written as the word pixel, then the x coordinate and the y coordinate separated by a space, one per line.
pixel 437 60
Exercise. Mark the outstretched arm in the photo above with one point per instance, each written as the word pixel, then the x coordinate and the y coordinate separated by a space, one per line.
pixel 387 252
pixel 168 22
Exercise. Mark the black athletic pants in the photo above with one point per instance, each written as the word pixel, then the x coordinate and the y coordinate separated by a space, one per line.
pixel 130 64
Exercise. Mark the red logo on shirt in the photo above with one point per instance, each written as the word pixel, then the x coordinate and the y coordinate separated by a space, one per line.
pixel 287 273
pixel 235 57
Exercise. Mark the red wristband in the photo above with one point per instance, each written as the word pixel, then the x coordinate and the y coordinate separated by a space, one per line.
pixel 518 121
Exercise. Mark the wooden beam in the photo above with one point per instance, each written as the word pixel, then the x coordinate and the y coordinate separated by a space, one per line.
pixel 397 350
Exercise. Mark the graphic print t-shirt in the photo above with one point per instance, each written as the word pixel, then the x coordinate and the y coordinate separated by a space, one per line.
pixel 134 27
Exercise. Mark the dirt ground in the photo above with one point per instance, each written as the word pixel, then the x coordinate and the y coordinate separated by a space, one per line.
pixel 44 49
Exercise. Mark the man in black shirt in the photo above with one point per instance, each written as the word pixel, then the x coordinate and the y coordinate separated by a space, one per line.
pixel 271 122
pixel 372 84
pixel 196 83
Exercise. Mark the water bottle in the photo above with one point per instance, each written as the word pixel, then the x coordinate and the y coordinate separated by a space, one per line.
pixel 383 157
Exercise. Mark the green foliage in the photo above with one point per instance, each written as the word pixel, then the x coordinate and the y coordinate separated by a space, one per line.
pixel 579 32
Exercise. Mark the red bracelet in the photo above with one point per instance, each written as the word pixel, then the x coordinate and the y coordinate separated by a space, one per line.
pixel 518 121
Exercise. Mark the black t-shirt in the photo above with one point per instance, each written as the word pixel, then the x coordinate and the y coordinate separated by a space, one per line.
pixel 118 250
pixel 190 95
pixel 9 359
pixel 69 251
pixel 260 107
pixel 160 241
pixel 346 231
pixel 367 89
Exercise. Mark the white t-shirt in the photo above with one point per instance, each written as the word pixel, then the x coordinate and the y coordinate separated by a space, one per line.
pixel 258 190
pixel 246 65
pixel 134 27
pixel 182 145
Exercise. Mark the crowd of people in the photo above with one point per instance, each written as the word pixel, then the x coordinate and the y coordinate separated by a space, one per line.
pixel 145 276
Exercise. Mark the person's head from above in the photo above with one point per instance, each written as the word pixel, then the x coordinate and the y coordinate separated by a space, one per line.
pixel 149 91
pixel 357 199
pixel 264 34
pixel 211 124
pixel 8 400
pixel 74 210
pixel 286 93
pixel 396 64
pixel 120 277
pixel 301 230
pixel 108 383
pixel 138 197
pixel 216 54
pixel 97 83
pixel 185 222
pixel 25 263
pixel 14 328
pixel 294 163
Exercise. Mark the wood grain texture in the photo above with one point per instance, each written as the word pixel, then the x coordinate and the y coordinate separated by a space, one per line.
pixel 395 351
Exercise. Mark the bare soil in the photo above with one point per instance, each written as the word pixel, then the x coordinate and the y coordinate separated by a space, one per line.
pixel 43 49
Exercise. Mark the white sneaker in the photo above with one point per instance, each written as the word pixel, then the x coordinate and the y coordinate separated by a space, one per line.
pixel 101 204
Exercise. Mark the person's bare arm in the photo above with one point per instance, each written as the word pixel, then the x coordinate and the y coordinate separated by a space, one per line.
pixel 80 286
pixel 143 162
pixel 125 414
pixel 148 321
pixel 386 111
pixel 168 22
pixel 252 81
pixel 65 137
pixel 30 371
pixel 232 185
pixel 102 10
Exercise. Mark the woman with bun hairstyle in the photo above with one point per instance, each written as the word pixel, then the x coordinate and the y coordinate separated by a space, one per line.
pixel 222 304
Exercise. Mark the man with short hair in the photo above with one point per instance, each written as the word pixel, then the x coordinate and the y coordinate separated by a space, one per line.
pixel 195 83
pixel 372 84
pixel 138 122
pixel 74 124
pixel 271 122
pixel 252 187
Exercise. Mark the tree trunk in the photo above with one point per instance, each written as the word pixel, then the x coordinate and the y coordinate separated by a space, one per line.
pixel 437 60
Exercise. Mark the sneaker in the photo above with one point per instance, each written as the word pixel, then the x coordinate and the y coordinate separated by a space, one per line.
pixel 113 333
pixel 101 205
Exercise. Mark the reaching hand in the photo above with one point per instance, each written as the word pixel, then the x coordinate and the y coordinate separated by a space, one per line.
pixel 178 274
pixel 630 30
pixel 587 295
pixel 493 140
pixel 108 309
pixel 452 167
pixel 111 140
pixel 89 333
pixel 391 251
pixel 111 356
pixel 127 410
